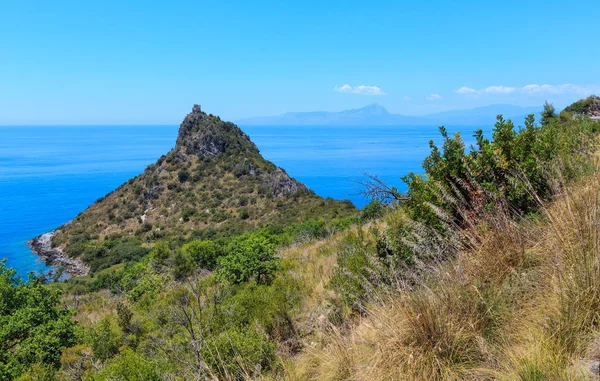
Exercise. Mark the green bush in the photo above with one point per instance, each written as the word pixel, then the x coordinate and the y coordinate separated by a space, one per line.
pixel 183 265
pixel 160 253
pixel 100 257
pixel 268 307
pixel 104 340
pixel 510 166
pixel 124 315
pixel 311 229
pixel 244 214
pixel 203 253
pixel 144 282
pixel 183 175
pixel 34 327
pixel 39 372
pixel 352 278
pixel 373 210
pixel 249 258
pixel 187 212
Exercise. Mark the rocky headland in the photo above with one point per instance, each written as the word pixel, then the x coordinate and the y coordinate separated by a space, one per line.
pixel 213 183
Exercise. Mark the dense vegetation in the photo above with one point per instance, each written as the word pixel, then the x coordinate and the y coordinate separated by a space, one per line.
pixel 34 327
pixel 485 269
pixel 516 171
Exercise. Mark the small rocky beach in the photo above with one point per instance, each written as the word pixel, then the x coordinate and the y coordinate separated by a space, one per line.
pixel 42 246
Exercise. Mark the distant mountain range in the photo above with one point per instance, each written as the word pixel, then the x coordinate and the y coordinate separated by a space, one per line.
pixel 376 114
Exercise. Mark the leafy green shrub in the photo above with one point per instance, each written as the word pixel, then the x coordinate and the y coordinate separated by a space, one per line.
pixel 269 307
pixel 145 228
pixel 251 258
pixel 188 212
pixel 131 274
pixel 39 372
pixel 124 316
pixel 34 327
pixel 548 113
pixel 510 166
pixel 373 210
pixel 220 216
pixel 147 283
pixel 356 267
pixel 203 253
pixel 103 256
pixel 104 340
pixel 126 252
pixel 183 175
pixel 160 253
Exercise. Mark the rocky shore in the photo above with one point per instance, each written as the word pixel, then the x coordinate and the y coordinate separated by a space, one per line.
pixel 42 246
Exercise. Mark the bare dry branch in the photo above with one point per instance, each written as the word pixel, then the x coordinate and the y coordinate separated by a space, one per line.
pixel 374 187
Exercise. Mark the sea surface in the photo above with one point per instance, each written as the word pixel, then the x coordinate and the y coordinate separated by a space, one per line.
pixel 49 174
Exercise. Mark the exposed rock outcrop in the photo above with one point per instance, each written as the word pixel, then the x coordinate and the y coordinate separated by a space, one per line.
pixel 200 135
pixel 281 184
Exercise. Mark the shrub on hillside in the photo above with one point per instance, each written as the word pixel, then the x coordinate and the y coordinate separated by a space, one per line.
pixel 34 327
pixel 373 210
pixel 204 254
pixel 183 175
pixel 251 258
pixel 515 164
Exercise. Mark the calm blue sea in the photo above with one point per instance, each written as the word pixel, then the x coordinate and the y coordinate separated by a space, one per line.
pixel 48 174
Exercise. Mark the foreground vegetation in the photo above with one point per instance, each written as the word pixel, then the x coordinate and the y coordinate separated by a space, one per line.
pixel 496 280
pixel 521 303
pixel 487 268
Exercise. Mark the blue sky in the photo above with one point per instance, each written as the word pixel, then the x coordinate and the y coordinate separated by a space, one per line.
pixel 129 62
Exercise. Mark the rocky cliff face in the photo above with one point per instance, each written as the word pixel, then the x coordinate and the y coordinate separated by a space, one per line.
pixel 200 137
pixel 213 182
pixel 208 137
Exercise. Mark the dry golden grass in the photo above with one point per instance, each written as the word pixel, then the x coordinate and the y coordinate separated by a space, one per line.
pixel 312 263
pixel 523 304
pixel 92 307
pixel 563 323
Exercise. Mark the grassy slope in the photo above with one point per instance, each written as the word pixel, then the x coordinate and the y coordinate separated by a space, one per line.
pixel 523 305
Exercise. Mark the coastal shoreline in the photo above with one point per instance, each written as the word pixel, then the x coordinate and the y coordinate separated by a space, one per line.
pixel 42 246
